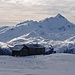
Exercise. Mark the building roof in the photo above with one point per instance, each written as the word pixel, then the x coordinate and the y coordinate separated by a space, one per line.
pixel 35 46
pixel 17 47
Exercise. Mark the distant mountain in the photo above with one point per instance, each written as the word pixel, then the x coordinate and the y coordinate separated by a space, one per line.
pixel 57 31
pixel 54 28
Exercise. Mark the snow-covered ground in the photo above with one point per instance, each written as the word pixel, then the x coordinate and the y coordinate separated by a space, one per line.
pixel 55 64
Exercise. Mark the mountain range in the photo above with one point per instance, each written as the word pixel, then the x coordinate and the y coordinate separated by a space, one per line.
pixel 54 30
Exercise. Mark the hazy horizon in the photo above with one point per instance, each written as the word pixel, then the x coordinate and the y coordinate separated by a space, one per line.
pixel 15 11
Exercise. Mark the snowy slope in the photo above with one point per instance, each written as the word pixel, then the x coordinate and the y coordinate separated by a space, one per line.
pixel 3 29
pixel 55 64
pixel 3 45
pixel 67 46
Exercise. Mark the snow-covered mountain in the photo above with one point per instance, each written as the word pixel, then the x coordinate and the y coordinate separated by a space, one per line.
pixel 54 28
pixel 57 31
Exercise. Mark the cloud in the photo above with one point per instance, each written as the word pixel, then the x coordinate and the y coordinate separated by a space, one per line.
pixel 18 10
pixel 9 1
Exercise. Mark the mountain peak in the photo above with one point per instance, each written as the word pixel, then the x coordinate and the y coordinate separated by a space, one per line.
pixel 59 16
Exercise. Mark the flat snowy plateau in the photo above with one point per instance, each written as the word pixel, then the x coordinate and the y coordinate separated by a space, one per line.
pixel 54 64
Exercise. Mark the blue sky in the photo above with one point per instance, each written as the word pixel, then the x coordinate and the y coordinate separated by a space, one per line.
pixel 14 11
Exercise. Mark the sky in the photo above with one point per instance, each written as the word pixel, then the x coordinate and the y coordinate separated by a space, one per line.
pixel 15 11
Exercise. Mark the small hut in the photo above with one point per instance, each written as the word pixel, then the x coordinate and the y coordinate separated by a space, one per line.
pixel 28 49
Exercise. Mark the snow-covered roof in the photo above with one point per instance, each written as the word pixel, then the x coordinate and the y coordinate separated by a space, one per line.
pixel 34 45
pixel 17 47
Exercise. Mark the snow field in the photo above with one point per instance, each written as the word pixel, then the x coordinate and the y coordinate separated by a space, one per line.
pixel 55 64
